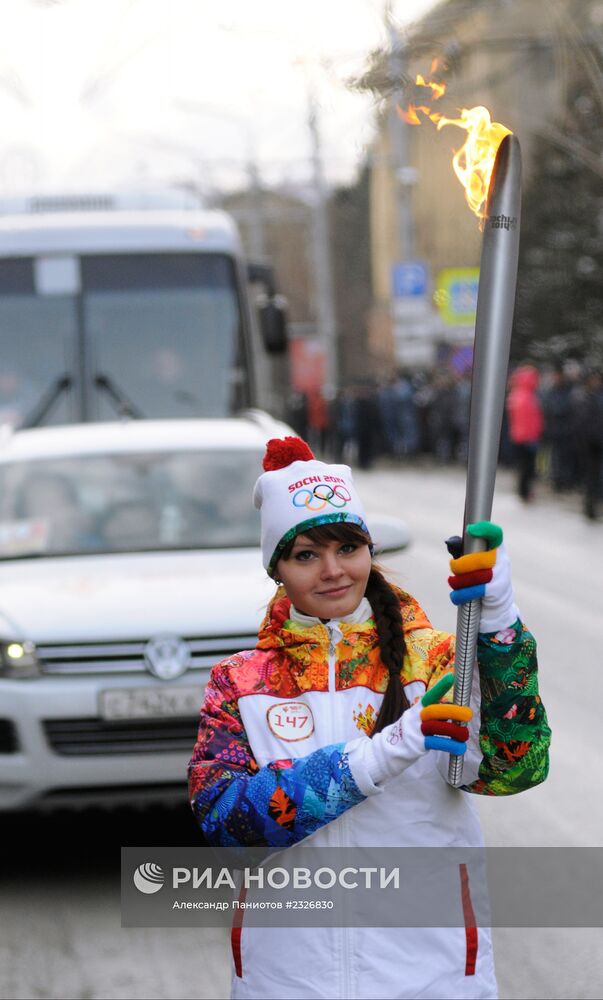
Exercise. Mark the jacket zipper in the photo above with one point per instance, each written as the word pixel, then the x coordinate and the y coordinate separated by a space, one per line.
pixel 332 687
pixel 331 679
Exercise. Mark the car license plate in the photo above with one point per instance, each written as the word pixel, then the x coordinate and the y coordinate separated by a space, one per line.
pixel 150 703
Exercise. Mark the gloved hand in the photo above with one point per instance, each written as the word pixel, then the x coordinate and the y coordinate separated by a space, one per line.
pixel 427 725
pixel 485 576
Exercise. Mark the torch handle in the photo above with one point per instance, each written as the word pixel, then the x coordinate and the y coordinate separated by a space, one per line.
pixel 493 324
pixel 467 630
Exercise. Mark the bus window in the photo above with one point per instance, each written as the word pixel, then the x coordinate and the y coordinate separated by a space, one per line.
pixel 163 330
pixel 37 345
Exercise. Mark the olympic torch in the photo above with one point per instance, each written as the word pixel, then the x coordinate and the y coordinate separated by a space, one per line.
pixel 494 320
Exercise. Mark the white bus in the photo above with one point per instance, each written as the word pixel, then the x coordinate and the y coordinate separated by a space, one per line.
pixel 140 313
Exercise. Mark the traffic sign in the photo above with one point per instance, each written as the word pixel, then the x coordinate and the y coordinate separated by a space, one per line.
pixel 456 295
pixel 410 280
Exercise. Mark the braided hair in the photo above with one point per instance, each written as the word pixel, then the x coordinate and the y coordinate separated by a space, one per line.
pixel 387 614
pixel 388 620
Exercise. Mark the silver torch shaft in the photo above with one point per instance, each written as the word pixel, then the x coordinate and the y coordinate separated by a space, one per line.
pixel 493 324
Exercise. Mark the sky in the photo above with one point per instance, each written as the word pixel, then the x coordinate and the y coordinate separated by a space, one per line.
pixel 102 94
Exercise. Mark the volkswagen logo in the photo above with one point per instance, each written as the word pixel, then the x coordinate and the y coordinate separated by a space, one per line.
pixel 167 656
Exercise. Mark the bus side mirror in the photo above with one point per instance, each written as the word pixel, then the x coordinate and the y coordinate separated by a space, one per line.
pixel 272 314
pixel 272 308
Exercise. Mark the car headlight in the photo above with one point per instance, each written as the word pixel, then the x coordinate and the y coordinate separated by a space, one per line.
pixel 19 659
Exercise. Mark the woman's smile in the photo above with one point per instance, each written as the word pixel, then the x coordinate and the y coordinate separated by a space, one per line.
pixel 335 591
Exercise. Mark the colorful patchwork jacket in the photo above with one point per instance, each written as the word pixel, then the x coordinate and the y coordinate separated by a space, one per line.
pixel 272 766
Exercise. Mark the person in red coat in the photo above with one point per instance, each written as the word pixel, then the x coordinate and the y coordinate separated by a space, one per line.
pixel 526 425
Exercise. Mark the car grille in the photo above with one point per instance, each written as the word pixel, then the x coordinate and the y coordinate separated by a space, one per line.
pixel 8 737
pixel 169 792
pixel 128 657
pixel 87 737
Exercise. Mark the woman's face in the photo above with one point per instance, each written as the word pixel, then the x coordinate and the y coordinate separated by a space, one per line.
pixel 325 580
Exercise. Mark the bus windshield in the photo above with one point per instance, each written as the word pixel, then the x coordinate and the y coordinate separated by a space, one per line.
pixel 149 334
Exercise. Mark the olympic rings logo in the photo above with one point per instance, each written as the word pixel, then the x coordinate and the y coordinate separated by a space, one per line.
pixel 336 496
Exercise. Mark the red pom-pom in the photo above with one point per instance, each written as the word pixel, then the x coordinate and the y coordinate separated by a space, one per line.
pixel 280 452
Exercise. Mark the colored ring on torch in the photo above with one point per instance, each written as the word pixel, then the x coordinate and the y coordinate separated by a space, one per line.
pixel 441 688
pixel 438 727
pixel 442 743
pixel 460 713
pixel 475 560
pixel 470 579
pixel 493 533
pixel 468 594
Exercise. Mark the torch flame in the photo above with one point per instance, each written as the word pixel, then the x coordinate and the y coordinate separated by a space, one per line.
pixel 410 115
pixel 438 89
pixel 474 161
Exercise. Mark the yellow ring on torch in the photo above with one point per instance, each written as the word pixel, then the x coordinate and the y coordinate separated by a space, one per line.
pixel 474 561
pixel 457 713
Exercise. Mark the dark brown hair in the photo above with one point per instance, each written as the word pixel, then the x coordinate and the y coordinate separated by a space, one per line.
pixel 387 614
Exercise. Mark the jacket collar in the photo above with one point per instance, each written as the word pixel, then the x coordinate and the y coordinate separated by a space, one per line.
pixel 360 614
pixel 281 629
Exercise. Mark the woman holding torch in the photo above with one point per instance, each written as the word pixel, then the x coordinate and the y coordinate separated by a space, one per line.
pixel 339 726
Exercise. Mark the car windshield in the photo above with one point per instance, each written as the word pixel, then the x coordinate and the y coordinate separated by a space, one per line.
pixel 130 502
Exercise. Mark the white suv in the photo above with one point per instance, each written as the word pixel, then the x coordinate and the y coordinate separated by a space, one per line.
pixel 129 565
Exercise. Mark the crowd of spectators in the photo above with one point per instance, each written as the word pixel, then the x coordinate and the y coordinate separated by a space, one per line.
pixel 552 427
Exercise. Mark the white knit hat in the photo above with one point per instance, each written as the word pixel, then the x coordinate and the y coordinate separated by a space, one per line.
pixel 297 492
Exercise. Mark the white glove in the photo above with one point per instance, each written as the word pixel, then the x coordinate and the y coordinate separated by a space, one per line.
pixel 486 576
pixel 426 725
